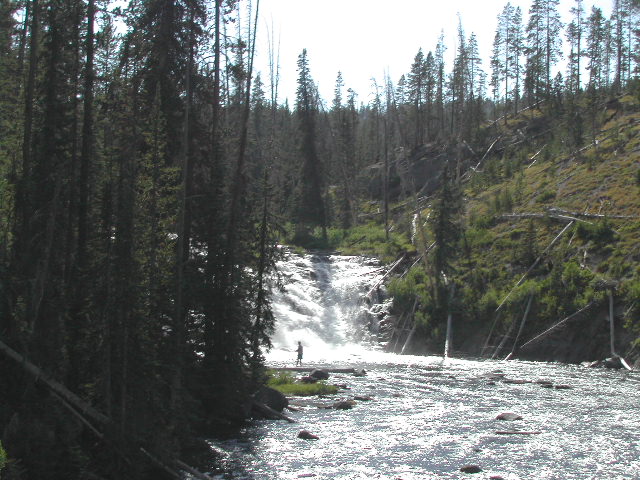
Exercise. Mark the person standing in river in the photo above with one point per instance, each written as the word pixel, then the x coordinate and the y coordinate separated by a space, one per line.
pixel 299 360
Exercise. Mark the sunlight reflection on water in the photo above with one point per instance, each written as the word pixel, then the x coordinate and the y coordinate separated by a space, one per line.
pixel 427 419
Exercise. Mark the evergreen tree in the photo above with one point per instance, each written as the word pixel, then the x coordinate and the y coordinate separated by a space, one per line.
pixel 310 208
pixel 596 49
pixel 543 47
pixel 574 36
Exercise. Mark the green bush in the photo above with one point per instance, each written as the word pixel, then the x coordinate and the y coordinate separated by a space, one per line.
pixel 286 383
pixel 600 232
pixel 307 389
pixel 631 292
pixel 545 196
pixel 281 377
pixel 405 290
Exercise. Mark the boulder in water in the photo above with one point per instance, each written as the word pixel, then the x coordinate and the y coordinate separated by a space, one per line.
pixel 363 398
pixel 308 379
pixel 359 372
pixel 616 362
pixel 508 416
pixel 319 374
pixel 272 398
pixel 307 435
pixel 344 405
pixel 613 362
pixel 470 469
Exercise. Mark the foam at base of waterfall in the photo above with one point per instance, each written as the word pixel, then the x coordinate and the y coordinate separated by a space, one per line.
pixel 322 306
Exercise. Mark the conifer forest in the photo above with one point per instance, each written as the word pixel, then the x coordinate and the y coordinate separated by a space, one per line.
pixel 149 175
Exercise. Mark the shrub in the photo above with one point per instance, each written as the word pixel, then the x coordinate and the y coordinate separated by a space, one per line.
pixel 631 292
pixel 545 196
pixel 599 233
pixel 286 383
pixel 279 378
pixel 307 389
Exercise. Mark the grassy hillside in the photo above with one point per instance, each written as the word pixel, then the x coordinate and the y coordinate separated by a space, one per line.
pixel 567 168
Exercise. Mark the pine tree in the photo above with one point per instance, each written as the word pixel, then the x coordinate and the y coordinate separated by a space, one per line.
pixel 310 209
pixel 596 49
pixel 543 47
pixel 417 82
pixel 574 36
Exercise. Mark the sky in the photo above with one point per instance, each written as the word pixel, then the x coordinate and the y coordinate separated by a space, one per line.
pixel 366 39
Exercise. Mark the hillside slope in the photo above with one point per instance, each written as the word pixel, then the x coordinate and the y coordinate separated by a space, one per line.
pixel 567 173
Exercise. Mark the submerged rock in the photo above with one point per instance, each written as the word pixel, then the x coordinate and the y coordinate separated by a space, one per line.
pixel 544 383
pixel 307 435
pixel 616 363
pixel 470 469
pixel 516 381
pixel 508 416
pixel 613 362
pixel 363 398
pixel 344 405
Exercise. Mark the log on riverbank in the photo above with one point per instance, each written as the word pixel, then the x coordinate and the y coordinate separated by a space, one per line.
pixel 310 369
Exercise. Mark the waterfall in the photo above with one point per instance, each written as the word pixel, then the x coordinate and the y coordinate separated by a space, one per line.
pixel 322 306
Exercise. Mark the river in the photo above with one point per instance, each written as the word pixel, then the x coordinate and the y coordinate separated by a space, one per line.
pixel 420 417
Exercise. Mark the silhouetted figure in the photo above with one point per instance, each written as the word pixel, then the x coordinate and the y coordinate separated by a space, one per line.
pixel 299 360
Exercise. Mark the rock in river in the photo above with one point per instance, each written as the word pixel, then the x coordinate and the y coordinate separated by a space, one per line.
pixel 307 435
pixel 471 469
pixel 272 398
pixel 344 405
pixel 508 416
pixel 319 374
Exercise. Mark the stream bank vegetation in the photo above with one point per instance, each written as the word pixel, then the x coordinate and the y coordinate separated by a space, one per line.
pixel 287 384
pixel 148 174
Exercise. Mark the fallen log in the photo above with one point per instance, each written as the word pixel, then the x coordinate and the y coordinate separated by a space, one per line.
pixel 379 282
pixel 310 369
pixel 81 410
pixel 560 323
pixel 534 264
pixel 524 319
pixel 533 158
pixel 590 215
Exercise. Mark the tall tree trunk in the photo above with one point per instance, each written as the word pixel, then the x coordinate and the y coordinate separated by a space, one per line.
pixel 184 229
pixel 24 192
pixel 212 193
pixel 88 140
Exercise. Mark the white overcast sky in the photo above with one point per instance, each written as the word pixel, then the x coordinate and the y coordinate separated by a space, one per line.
pixel 364 39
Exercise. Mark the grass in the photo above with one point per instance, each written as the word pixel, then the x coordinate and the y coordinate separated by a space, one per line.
pixel 365 239
pixel 286 383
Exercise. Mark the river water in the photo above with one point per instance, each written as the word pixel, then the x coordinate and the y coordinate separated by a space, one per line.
pixel 420 417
